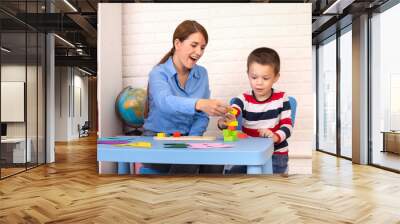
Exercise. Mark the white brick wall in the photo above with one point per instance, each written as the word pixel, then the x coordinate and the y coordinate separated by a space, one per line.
pixel 234 31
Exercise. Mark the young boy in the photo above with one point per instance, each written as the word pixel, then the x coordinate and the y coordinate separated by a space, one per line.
pixel 266 111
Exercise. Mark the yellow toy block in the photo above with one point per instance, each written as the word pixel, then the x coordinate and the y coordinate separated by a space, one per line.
pixel 136 144
pixel 233 111
pixel 142 144
pixel 233 123
pixel 161 134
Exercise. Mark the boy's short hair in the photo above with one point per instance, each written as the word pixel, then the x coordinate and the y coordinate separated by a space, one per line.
pixel 264 56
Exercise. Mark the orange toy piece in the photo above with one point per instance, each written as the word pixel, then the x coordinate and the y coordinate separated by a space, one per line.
pixel 177 134
pixel 231 128
pixel 242 135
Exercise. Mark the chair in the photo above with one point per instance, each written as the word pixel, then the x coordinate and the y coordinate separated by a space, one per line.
pixel 293 107
pixel 146 170
pixel 84 130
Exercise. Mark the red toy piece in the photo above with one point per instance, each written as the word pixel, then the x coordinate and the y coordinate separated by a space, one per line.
pixel 232 128
pixel 177 134
pixel 242 135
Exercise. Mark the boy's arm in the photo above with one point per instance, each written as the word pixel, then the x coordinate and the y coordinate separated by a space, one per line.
pixel 285 123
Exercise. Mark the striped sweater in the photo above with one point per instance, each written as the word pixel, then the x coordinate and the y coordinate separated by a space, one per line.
pixel 273 113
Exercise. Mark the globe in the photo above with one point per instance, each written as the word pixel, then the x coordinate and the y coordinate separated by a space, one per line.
pixel 130 106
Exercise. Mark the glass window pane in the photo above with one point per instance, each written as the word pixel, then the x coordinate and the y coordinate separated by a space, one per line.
pixel 327 96
pixel 23 86
pixel 41 98
pixel 346 94
pixel 386 89
pixel 13 86
pixel 31 101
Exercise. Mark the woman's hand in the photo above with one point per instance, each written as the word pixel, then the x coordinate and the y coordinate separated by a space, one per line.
pixel 212 107
pixel 267 133
pixel 227 118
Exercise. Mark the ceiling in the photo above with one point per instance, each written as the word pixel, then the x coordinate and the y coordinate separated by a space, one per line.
pixel 75 21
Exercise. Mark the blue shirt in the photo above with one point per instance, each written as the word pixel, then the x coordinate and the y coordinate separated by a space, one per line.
pixel 171 107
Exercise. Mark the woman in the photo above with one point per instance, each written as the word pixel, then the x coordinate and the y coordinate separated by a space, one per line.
pixel 178 91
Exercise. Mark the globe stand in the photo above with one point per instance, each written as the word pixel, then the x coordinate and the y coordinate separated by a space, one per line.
pixel 134 132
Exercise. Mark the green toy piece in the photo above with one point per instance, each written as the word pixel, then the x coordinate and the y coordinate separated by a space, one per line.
pixel 229 139
pixel 175 145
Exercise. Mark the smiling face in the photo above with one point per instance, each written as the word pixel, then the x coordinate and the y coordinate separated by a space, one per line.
pixel 189 51
pixel 262 78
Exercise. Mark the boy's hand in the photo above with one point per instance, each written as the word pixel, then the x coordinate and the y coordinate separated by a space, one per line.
pixel 267 133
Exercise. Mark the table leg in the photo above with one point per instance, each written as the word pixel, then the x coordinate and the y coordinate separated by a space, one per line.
pixel 132 168
pixel 267 168
pixel 384 143
pixel 254 169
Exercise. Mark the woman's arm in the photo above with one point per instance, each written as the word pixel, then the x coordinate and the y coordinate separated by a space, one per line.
pixel 201 119
pixel 200 123
pixel 160 91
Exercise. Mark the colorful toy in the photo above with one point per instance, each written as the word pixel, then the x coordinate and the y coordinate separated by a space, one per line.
pixel 136 144
pixel 175 145
pixel 231 128
pixel 233 111
pixel 230 133
pixel 161 134
pixel 233 123
pixel 186 138
pixel 210 145
pixel 177 134
pixel 112 142
pixel 242 135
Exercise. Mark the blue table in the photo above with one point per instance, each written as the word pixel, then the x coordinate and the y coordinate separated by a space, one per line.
pixel 255 153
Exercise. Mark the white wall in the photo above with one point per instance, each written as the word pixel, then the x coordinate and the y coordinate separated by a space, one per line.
pixel 314 75
pixel 33 126
pixel 109 63
pixel 17 73
pixel 81 103
pixel 61 103
pixel 234 31
pixel 67 81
